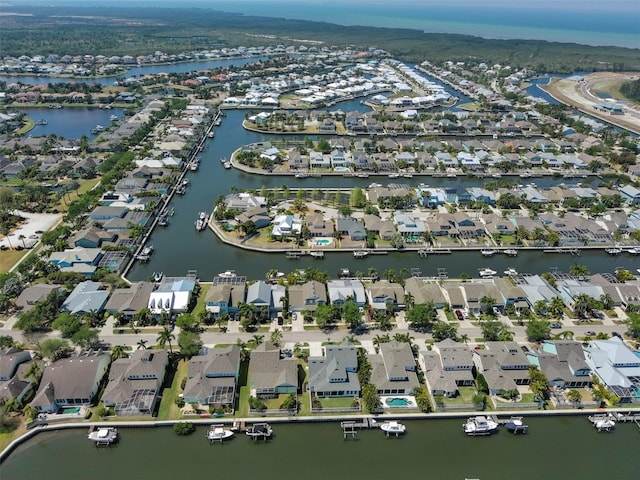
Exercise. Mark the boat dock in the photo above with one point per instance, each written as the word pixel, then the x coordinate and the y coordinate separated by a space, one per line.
pixel 573 251
pixel 350 428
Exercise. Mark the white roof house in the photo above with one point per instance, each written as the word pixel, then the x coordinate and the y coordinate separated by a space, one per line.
pixel 172 296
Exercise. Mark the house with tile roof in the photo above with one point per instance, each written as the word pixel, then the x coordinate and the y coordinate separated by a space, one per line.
pixel 135 381
pixel 448 366
pixel 212 378
pixel 335 374
pixel 307 296
pixel 393 370
pixel 129 301
pixel 563 363
pixel 503 364
pixel 269 374
pixel 71 382
pixel 14 365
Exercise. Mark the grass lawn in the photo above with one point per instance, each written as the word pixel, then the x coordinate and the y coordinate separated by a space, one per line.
pixel 200 306
pixel 8 258
pixel 338 402
pixel 14 428
pixel 168 409
pixel 85 186
pixel 465 397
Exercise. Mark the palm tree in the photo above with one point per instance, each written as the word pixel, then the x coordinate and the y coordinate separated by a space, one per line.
pixel 257 339
pixel 607 301
pixel 276 337
pixel 409 301
pixel 34 371
pixel 119 351
pixel 486 304
pixel 556 306
pixel 142 344
pixel 578 270
pixel 464 338
pixel 164 337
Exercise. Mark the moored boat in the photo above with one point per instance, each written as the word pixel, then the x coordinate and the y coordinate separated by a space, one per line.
pixel 157 276
pixel 259 431
pixel 148 250
pixel 360 253
pixel 217 433
pixel 488 252
pixel 516 425
pixel 392 427
pixel 614 251
pixel 486 272
pixel 511 252
pixel 510 272
pixel 480 425
pixel 103 436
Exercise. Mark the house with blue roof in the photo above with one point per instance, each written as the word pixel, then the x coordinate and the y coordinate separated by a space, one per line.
pixel 341 290
pixel 617 367
pixel 86 297
pixel 78 259
pixel 409 227
pixel 431 197
pixel 630 194
pixel 482 195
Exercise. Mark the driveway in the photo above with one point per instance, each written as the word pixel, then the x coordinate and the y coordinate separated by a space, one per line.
pixel 33 222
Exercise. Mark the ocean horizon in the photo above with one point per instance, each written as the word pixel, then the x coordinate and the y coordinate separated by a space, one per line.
pixel 611 23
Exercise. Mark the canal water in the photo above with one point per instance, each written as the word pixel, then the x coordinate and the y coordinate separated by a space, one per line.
pixel 555 448
pixel 203 252
pixel 181 248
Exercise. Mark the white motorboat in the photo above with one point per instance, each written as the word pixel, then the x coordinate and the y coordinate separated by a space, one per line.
pixel 510 272
pixel 488 252
pixel 634 251
pixel 511 252
pixel 200 225
pixel 148 250
pixel 360 253
pixel 210 134
pixel 480 425
pixel 614 251
pixel 302 175
pixel 203 215
pixel 227 274
pixel 259 431
pixel 217 433
pixel 392 427
pixel 486 272
pixel 317 254
pixel 157 276
pixel 603 423
pixel 227 165
pixel 394 175
pixel 113 118
pixel 104 435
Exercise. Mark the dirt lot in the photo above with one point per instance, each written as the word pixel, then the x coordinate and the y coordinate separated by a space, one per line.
pixel 582 94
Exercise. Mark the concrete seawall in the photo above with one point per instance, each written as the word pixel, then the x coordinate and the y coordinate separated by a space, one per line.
pixel 292 419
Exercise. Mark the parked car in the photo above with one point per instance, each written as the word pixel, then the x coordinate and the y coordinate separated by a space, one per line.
pixel 459 314
pixel 556 325
pixel 590 333
pixel 616 334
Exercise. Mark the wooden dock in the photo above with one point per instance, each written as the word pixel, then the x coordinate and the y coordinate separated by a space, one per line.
pixel 350 428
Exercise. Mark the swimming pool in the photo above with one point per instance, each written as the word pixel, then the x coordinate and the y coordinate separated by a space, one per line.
pixel 69 410
pixel 398 402
pixel 323 241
